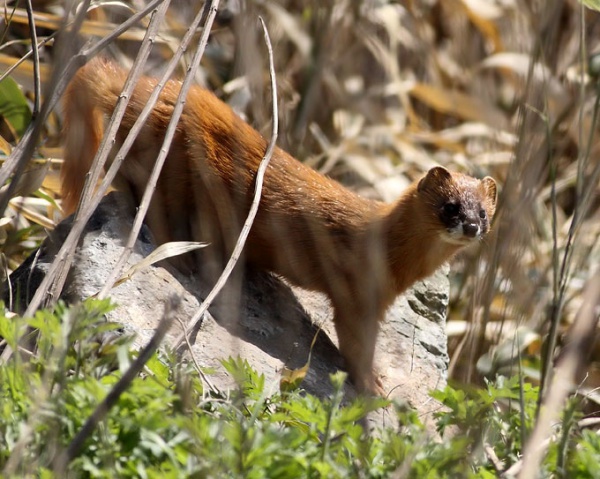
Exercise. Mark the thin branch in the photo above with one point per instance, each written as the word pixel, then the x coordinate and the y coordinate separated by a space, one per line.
pixel 57 85
pixel 76 444
pixel 123 100
pixel 169 134
pixel 571 361
pixel 36 63
pixel 21 154
pixel 583 192
pixel 21 60
pixel 204 377
pixel 239 246
pixel 493 458
pixel 57 272
pixel 108 140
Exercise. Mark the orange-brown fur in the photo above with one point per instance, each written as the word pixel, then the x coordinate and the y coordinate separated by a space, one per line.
pixel 309 229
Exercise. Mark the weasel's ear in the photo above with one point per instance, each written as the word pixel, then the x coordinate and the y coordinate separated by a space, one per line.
pixel 436 176
pixel 492 192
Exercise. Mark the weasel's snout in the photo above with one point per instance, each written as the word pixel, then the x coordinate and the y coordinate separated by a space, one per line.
pixel 471 230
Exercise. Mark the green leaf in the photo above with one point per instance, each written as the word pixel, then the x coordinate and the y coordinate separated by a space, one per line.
pixel 14 106
pixel 593 4
pixel 9 330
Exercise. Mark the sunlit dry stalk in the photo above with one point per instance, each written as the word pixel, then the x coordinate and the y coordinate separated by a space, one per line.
pixel 20 155
pixel 583 194
pixel 59 268
pixel 310 100
pixel 108 139
pixel 169 134
pixel 54 280
pixel 241 241
pixel 563 379
pixel 520 190
pixel 21 60
pixel 206 382
pixel 88 203
pixel 76 444
pixel 36 62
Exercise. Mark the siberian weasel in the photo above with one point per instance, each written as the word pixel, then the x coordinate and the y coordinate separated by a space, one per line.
pixel 309 229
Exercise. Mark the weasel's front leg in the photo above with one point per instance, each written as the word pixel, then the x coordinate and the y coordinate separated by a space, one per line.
pixel 357 337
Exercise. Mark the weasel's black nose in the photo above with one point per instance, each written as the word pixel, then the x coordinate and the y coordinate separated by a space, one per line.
pixel 470 229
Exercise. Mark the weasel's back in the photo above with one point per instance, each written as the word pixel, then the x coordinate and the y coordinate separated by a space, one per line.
pixel 211 140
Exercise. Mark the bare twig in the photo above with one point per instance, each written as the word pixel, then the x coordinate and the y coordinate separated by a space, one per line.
pixel 57 273
pixel 60 78
pixel 204 377
pixel 571 361
pixel 122 101
pixel 18 62
pixel 493 458
pixel 169 134
pixel 108 140
pixel 583 195
pixel 36 62
pixel 24 150
pixel 76 444
pixel 241 241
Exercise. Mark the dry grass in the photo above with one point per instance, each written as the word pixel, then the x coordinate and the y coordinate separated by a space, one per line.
pixel 374 93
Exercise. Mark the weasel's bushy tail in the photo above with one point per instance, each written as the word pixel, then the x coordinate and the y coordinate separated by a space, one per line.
pixel 91 94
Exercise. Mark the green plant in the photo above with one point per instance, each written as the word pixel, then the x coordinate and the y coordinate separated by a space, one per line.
pixel 166 424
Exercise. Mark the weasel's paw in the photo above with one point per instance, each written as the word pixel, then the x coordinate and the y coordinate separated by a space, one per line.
pixel 370 384
pixel 378 385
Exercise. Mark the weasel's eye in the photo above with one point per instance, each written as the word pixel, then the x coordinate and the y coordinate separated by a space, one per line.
pixel 451 209
pixel 482 214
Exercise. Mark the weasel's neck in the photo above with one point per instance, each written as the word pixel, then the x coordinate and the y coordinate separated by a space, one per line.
pixel 413 243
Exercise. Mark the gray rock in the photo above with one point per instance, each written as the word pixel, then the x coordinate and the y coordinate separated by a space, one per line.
pixel 263 320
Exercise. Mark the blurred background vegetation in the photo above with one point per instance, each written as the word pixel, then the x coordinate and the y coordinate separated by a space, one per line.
pixel 374 93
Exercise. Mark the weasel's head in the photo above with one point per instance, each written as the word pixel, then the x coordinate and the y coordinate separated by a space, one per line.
pixel 463 206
